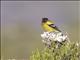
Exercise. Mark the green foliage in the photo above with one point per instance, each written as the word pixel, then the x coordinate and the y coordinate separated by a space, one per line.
pixel 64 51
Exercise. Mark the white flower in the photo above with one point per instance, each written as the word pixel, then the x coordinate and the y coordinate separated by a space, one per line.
pixel 48 37
pixel 77 44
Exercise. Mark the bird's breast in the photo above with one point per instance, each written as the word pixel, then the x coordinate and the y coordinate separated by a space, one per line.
pixel 48 28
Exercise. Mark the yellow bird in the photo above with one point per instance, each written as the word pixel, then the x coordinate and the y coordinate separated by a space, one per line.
pixel 49 26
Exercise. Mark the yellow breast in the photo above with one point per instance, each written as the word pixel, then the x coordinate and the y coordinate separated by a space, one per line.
pixel 48 28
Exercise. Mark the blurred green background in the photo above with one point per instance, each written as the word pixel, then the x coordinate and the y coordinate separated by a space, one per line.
pixel 21 29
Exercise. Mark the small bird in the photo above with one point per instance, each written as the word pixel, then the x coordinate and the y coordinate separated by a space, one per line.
pixel 49 26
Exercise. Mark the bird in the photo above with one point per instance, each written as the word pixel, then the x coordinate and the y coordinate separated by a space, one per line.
pixel 49 26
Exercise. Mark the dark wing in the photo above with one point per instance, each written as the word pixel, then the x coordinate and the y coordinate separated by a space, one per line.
pixel 55 27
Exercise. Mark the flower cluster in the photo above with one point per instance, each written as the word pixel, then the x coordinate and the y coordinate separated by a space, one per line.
pixel 49 37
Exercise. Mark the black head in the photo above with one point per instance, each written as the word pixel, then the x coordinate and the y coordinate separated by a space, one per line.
pixel 44 20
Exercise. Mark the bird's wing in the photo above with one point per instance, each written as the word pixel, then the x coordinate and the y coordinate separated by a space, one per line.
pixel 55 27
